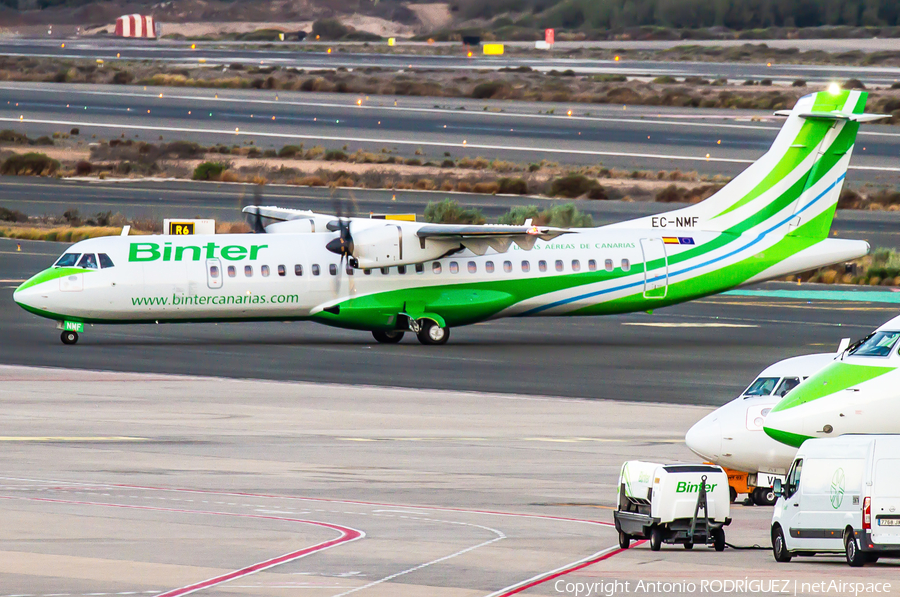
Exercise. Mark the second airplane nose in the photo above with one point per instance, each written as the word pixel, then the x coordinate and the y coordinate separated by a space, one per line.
pixel 705 439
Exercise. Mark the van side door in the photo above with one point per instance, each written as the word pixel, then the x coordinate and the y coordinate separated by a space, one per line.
pixel 790 505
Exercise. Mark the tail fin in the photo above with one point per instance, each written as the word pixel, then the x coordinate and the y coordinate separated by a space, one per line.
pixel 796 184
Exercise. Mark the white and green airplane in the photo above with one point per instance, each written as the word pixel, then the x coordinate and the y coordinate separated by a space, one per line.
pixel 389 277
pixel 857 393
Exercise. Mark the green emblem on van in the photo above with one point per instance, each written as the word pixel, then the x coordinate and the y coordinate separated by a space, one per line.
pixel 837 488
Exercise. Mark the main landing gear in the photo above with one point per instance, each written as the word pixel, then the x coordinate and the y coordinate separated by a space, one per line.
pixel 426 330
pixel 68 337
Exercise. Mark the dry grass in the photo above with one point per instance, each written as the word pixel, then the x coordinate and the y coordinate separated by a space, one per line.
pixel 61 233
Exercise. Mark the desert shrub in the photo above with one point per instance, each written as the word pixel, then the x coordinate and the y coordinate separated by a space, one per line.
pixel 29 163
pixel 852 84
pixel 489 90
pixel 572 186
pixel 329 29
pixel 798 83
pixel 486 188
pixel 44 140
pixel 562 216
pixel 665 80
pixel 9 136
pixel 315 153
pixel 12 215
pixel 448 164
pixel 181 150
pixel 335 155
pixel 450 212
pixel 209 170
pixel 289 151
pixel 512 186
pixel 83 168
pixel 122 77
pixel 75 131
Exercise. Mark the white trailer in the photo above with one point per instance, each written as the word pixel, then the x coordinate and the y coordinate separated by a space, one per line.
pixel 842 495
pixel 672 503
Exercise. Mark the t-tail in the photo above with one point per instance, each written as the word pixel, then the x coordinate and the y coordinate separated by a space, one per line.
pixel 792 191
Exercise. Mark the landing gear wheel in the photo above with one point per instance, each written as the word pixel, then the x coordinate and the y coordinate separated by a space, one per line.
pixel 855 557
pixel 656 536
pixel 432 334
pixel 68 337
pixel 732 494
pixel 624 540
pixel 719 539
pixel 689 546
pixel 779 547
pixel 763 496
pixel 388 337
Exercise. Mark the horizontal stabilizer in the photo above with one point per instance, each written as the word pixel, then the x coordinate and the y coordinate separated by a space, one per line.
pixel 835 116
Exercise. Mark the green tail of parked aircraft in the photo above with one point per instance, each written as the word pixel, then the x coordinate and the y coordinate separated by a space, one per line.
pixel 390 277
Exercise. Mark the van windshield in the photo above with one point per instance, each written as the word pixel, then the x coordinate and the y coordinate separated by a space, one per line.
pixel 763 386
pixel 878 344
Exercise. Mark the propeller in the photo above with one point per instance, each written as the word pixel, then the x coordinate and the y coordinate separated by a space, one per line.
pixel 343 244
pixel 254 218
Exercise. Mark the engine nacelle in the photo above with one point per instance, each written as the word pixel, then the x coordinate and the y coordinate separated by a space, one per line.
pixel 390 245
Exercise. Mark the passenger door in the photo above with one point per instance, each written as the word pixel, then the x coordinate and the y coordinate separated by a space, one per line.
pixel 656 268
pixel 885 506
pixel 790 515
pixel 214 273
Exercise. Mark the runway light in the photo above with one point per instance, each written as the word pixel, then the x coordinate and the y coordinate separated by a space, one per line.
pixel 707 156
pixel 569 113
pixel 359 102
pixel 189 112
pixel 62 45
pixel 470 54
pixel 768 64
pixel 329 50
pixel 617 58
pixel 464 141
pixel 834 89
pixel 160 95
pixel 273 118
pixel 719 142
pixel 193 46
pixel 118 55
pixel 148 111
pixel 21 116
pixel 236 130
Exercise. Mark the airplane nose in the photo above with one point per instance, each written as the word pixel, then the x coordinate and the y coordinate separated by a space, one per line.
pixel 705 438
pixel 787 426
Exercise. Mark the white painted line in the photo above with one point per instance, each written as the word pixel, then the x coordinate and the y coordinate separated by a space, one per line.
pixel 689 325
pixel 537 577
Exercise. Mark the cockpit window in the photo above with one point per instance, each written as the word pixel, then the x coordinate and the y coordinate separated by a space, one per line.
pixel 787 384
pixel 105 261
pixel 88 261
pixel 763 386
pixel 67 260
pixel 878 344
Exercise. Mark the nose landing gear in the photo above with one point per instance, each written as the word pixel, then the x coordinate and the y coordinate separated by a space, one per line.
pixel 69 337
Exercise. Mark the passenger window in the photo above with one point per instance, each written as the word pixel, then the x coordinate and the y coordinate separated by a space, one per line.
pixel 401 269
pixel 67 260
pixel 542 266
pixel 298 270
pixel 576 265
pixel 472 267
pixel 315 269
pixel 248 270
pixel 787 384
pixel 436 267
pixel 105 261
pixel 282 271
pixel 264 270
pixel 332 269
pixel 489 267
pixel 88 261
pixel 214 272
pixel 526 266
pixel 559 265
pixel 626 265
pixel 232 271
pixel 454 267
pixel 507 266
pixel 592 265
pixel 608 264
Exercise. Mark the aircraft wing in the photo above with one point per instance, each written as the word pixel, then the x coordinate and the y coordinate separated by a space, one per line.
pixel 478 238
pixel 279 214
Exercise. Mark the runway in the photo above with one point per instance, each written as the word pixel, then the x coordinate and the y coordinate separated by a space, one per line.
pixel 317 56
pixel 636 137
pixel 637 357
pixel 124 484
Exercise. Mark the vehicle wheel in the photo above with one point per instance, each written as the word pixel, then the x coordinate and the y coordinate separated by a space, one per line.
pixel 69 337
pixel 656 536
pixel 719 539
pixel 855 557
pixel 732 493
pixel 388 337
pixel 624 540
pixel 779 547
pixel 764 496
pixel 689 546
pixel 433 334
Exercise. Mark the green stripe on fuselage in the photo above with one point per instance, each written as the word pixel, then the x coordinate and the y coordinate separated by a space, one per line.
pixel 834 378
pixel 48 275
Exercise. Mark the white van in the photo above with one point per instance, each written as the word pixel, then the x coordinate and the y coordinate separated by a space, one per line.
pixel 842 495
